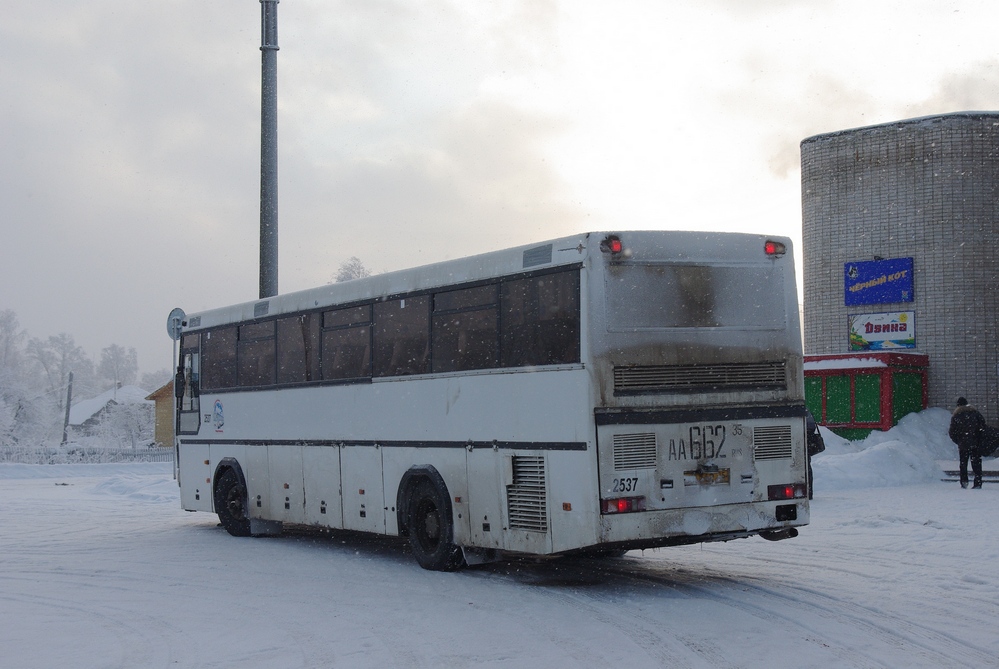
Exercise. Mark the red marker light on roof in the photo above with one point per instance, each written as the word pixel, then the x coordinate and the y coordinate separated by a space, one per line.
pixel 772 248
pixel 612 244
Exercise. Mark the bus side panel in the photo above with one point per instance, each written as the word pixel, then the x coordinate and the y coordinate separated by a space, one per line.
pixel 287 485
pixel 255 464
pixel 363 496
pixel 485 494
pixel 195 478
pixel 573 500
pixel 449 463
pixel 321 465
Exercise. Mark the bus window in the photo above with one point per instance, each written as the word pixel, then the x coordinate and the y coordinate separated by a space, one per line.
pixel 671 295
pixel 219 362
pixel 255 353
pixel 465 329
pixel 540 320
pixel 298 349
pixel 347 343
pixel 402 336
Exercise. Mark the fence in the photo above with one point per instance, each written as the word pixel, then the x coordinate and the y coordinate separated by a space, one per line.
pixel 74 454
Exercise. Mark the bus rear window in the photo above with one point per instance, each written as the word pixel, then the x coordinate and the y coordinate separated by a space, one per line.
pixel 660 296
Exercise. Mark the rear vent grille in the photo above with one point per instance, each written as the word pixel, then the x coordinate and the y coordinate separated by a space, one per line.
pixel 700 378
pixel 772 442
pixel 635 451
pixel 526 498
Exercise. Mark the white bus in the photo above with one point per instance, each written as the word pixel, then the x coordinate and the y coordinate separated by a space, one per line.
pixel 597 393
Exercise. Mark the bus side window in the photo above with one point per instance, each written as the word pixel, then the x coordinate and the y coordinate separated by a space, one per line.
pixel 255 355
pixel 346 343
pixel 402 336
pixel 465 329
pixel 297 348
pixel 219 363
pixel 540 317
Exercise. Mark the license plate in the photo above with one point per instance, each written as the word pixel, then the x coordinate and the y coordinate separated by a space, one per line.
pixel 709 477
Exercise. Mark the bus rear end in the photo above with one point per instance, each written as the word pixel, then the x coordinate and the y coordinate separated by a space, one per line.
pixel 695 350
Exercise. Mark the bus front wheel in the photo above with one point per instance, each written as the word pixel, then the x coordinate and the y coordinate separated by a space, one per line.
pixel 230 504
pixel 431 529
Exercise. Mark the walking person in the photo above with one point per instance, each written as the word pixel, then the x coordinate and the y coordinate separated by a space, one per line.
pixel 967 430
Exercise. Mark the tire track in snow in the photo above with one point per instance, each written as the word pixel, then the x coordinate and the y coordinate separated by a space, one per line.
pixel 790 604
pixel 591 587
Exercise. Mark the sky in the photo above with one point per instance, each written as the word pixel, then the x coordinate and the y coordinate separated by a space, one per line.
pixel 414 131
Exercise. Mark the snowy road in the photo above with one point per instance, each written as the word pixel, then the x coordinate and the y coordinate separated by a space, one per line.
pixel 99 567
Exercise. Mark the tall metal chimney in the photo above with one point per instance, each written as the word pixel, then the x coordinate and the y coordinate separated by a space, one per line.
pixel 268 150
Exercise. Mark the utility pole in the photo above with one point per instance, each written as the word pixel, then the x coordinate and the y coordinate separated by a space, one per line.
pixel 69 401
pixel 268 151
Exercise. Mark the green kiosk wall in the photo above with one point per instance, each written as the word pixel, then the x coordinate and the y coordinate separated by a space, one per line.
pixel 855 393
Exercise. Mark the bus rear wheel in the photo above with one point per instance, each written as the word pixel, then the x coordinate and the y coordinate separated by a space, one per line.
pixel 230 504
pixel 431 529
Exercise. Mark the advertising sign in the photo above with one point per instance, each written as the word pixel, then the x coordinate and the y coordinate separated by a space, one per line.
pixel 877 281
pixel 882 332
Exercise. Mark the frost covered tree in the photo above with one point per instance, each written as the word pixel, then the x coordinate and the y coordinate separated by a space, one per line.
pixel 11 336
pixel 26 409
pixel 58 356
pixel 351 268
pixel 119 365
pixel 126 425
pixel 150 381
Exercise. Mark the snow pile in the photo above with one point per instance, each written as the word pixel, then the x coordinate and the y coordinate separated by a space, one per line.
pixel 142 485
pixel 906 454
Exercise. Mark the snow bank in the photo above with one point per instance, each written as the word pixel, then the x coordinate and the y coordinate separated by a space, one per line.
pixel 906 454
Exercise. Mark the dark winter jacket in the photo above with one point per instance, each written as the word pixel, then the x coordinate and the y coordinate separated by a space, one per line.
pixel 967 428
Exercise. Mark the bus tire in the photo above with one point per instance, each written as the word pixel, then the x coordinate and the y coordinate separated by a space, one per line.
pixel 230 503
pixel 431 528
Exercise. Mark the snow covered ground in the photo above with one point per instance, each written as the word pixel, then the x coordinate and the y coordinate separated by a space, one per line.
pixel 99 567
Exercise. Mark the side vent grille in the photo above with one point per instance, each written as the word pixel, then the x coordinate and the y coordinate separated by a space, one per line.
pixel 772 442
pixel 635 451
pixel 541 255
pixel 526 498
pixel 700 378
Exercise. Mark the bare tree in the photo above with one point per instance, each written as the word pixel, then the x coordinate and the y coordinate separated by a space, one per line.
pixel 351 268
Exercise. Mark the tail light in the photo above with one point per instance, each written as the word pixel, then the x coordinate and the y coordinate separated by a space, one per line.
pixel 622 505
pixel 787 491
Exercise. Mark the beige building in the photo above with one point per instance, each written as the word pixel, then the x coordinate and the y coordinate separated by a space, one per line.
pixel 164 427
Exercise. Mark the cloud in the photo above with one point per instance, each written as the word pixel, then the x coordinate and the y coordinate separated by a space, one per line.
pixel 828 103
pixel 973 89
pixel 476 180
